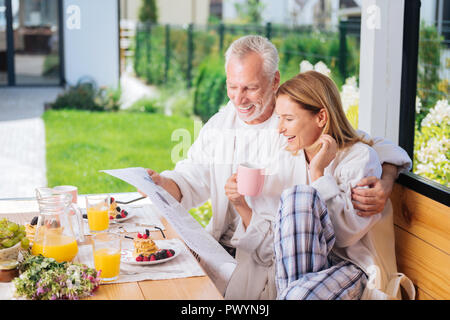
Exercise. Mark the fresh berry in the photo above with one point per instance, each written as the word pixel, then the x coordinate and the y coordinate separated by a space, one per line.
pixel 172 251
pixel 118 216
pixel 162 254
pixel 147 232
pixel 145 236
pixel 139 235
pixel 111 217
pixel 125 213
pixel 152 257
pixel 111 200
pixel 147 258
pixel 35 220
pixel 84 216
pixel 139 258
pixel 118 209
pixel 169 254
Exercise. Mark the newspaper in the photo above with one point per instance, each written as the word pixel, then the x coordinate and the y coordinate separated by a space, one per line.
pixel 215 260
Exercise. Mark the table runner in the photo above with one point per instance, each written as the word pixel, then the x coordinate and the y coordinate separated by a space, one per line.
pixel 183 266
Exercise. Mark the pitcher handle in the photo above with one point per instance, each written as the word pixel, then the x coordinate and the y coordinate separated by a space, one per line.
pixel 79 215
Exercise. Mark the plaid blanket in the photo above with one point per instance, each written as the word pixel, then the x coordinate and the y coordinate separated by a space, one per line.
pixel 306 268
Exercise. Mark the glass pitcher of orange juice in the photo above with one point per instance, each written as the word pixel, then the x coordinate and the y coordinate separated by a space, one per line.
pixel 59 226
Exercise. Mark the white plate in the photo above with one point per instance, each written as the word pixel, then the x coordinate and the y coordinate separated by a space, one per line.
pixel 129 216
pixel 127 257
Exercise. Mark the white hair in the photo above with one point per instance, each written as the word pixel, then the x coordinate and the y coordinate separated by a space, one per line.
pixel 254 43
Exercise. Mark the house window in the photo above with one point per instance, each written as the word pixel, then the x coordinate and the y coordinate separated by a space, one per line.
pixel 30 42
pixel 425 112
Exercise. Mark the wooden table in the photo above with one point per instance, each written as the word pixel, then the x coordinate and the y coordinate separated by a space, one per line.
pixel 194 288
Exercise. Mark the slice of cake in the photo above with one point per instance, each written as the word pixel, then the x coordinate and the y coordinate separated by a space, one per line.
pixel 144 245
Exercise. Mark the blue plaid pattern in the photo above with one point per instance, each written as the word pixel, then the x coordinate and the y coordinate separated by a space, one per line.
pixel 305 266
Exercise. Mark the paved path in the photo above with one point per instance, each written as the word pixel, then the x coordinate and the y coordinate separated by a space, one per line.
pixel 22 140
pixel 134 89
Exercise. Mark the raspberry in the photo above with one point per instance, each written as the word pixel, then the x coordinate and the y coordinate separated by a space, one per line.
pixel 111 217
pixel 139 235
pixel 111 200
pixel 152 257
pixel 147 258
pixel 145 236
pixel 139 258
pixel 123 215
pixel 169 254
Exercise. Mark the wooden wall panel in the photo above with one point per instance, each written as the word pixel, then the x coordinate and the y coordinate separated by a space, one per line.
pixel 422 241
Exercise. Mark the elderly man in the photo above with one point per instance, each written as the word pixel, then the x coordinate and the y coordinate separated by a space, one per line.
pixel 208 172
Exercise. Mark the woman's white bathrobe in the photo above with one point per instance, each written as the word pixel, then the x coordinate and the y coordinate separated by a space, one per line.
pixel 223 143
pixel 368 242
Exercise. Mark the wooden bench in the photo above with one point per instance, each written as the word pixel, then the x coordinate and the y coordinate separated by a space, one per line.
pixel 422 242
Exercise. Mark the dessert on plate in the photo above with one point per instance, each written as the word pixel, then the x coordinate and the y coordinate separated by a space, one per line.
pixel 145 249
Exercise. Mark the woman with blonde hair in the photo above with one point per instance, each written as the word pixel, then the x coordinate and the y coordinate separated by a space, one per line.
pixel 323 249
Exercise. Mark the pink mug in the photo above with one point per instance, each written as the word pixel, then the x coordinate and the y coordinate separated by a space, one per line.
pixel 68 189
pixel 250 180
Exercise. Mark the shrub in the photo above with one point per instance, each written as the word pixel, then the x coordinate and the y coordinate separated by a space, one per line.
pixel 428 69
pixel 202 213
pixel 432 145
pixel 210 88
pixel 86 96
pixel 148 11
pixel 150 105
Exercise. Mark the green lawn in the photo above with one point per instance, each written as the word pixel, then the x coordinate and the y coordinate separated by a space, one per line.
pixel 80 143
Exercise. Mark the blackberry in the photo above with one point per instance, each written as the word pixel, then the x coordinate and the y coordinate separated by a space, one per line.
pixel 34 221
pixel 118 209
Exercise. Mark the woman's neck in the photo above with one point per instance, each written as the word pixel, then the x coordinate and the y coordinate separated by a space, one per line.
pixel 311 152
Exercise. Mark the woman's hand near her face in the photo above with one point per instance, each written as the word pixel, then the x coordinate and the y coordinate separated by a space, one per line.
pixel 324 157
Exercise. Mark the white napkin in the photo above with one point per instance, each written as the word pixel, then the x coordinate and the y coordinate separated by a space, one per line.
pixel 7 291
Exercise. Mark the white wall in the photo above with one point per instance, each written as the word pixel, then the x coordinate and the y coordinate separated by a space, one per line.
pixel 183 11
pixel 92 47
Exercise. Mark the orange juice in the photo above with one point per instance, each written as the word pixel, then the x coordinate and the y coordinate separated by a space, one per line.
pixel 98 220
pixel 108 261
pixel 56 246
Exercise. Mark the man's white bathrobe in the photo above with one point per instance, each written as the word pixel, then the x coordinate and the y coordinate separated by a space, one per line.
pixel 224 142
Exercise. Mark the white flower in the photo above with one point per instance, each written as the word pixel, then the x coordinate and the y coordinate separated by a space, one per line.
pixel 322 68
pixel 418 105
pixel 439 115
pixel 350 93
pixel 305 65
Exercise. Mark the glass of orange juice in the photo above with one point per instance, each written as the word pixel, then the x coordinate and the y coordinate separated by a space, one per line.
pixel 97 207
pixel 106 250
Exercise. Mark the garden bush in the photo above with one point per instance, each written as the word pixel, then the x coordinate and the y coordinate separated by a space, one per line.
pixel 432 145
pixel 86 96
pixel 210 88
pixel 428 80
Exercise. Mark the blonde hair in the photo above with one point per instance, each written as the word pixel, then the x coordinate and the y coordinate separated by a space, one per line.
pixel 314 91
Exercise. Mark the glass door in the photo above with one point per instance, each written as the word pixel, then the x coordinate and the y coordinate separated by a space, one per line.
pixel 36 42
pixel 3 45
